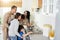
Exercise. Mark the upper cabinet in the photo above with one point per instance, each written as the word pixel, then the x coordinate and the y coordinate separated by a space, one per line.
pixel 9 3
pixel 39 3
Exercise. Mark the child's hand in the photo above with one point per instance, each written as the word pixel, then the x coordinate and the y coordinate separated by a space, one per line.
pixel 30 32
pixel 27 34
pixel 21 37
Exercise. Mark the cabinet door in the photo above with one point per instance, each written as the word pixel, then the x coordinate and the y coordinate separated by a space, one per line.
pixel 39 3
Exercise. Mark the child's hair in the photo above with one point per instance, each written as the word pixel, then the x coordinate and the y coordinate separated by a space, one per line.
pixel 22 16
pixel 17 15
pixel 20 27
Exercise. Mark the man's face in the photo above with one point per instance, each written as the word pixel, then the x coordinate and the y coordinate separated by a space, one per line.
pixel 14 10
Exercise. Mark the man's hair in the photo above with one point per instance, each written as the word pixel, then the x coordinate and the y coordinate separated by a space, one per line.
pixel 17 15
pixel 13 7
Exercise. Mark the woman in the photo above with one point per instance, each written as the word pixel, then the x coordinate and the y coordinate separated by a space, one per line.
pixel 13 28
pixel 27 15
pixel 26 22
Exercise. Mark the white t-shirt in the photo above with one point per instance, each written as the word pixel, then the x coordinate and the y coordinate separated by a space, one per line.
pixel 13 28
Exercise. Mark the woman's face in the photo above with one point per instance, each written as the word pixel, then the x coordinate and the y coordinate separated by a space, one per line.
pixel 25 13
pixel 19 17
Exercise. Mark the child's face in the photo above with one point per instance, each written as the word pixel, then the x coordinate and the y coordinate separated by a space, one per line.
pixel 22 30
pixel 19 17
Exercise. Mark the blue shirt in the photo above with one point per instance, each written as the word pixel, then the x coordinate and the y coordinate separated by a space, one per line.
pixel 19 38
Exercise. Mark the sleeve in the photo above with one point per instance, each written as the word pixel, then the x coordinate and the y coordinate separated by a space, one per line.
pixel 5 20
pixel 21 33
pixel 16 28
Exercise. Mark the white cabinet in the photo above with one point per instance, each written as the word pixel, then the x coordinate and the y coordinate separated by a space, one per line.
pixel 1 33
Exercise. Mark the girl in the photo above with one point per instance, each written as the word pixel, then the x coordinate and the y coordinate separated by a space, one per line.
pixel 13 28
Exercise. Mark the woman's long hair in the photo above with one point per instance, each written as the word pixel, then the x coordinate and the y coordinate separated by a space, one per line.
pixel 28 15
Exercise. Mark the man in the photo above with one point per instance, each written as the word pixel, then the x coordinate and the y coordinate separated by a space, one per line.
pixel 6 21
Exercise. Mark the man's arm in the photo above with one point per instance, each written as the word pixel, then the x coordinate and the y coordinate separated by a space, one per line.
pixel 5 20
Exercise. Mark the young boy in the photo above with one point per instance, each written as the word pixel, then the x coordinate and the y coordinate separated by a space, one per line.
pixel 21 32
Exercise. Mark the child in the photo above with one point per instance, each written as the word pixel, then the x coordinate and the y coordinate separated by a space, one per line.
pixel 21 32
pixel 14 27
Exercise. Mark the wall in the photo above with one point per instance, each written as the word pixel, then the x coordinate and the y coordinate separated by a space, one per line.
pixel 57 27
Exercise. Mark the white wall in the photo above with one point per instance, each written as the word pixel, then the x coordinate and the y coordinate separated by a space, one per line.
pixel 42 17
pixel 7 9
pixel 57 27
pixel 1 33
